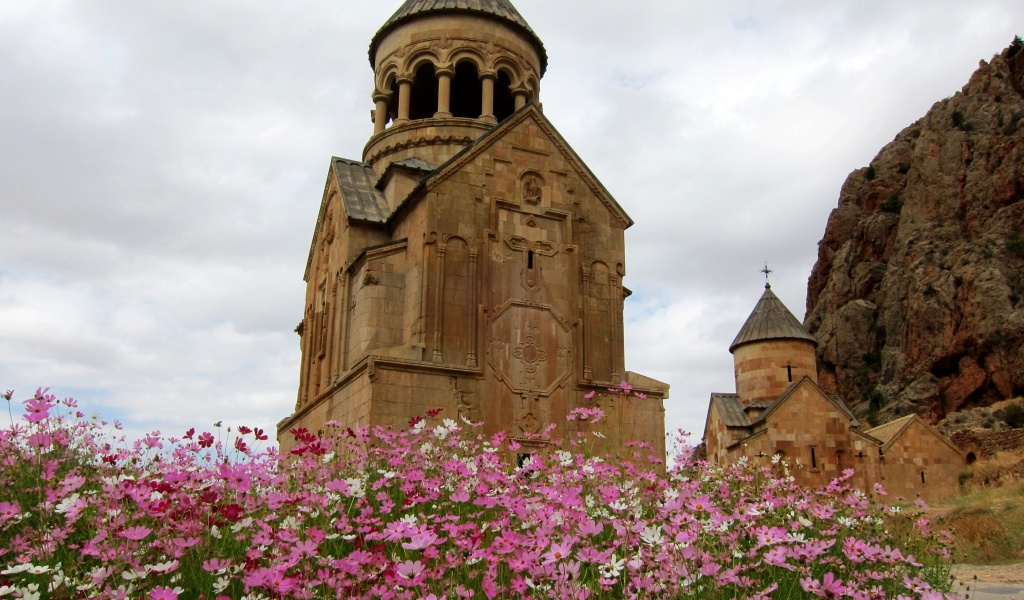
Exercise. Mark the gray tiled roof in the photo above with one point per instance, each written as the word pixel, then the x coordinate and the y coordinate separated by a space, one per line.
pixel 501 9
pixel 771 320
pixel 359 194
pixel 415 163
pixel 731 409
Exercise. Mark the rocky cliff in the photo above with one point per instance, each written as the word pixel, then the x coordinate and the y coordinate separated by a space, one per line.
pixel 917 296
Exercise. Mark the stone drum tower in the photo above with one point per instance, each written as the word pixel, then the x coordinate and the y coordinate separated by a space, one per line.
pixel 470 261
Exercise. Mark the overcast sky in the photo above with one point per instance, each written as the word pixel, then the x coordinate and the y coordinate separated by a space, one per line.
pixel 162 165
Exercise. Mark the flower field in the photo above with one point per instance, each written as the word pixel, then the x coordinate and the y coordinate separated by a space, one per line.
pixel 436 511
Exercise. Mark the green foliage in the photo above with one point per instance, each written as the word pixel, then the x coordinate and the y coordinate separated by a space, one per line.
pixel 893 204
pixel 960 121
pixel 1013 415
pixel 904 169
pixel 869 174
pixel 1015 47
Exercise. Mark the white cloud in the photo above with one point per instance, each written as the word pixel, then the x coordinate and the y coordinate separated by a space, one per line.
pixel 163 165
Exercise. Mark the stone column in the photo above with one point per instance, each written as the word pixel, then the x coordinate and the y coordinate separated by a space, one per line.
pixel 444 93
pixel 520 94
pixel 380 114
pixel 404 99
pixel 487 110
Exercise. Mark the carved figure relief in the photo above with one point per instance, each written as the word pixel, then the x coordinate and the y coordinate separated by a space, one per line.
pixel 532 190
pixel 467 403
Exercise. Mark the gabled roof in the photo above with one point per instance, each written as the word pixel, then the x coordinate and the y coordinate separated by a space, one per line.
pixel 731 409
pixel 839 404
pixel 497 9
pixel 771 320
pixel 360 198
pixel 484 142
pixel 359 194
pixel 889 433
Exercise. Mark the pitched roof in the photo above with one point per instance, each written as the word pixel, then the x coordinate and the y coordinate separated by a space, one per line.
pixel 839 404
pixel 731 409
pixel 771 320
pixel 887 431
pixel 360 198
pixel 482 143
pixel 359 194
pixel 498 9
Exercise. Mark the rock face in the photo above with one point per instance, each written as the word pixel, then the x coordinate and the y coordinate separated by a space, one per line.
pixel 917 296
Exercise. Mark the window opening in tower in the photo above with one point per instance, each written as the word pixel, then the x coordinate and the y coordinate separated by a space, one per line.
pixel 423 100
pixel 504 103
pixel 467 93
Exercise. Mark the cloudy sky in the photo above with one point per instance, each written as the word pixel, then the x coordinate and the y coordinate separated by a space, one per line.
pixel 162 164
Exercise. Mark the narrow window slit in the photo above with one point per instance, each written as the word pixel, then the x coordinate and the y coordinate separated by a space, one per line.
pixel 529 259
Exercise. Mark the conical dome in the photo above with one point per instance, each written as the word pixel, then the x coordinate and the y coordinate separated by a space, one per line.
pixel 499 9
pixel 771 320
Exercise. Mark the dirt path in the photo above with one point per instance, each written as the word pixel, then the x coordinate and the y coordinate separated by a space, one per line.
pixel 990 573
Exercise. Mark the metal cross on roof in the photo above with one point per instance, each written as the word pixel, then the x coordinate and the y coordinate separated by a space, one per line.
pixel 767 272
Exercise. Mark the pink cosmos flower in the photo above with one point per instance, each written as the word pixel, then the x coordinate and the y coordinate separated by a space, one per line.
pixel 163 593
pixel 215 564
pixel 410 571
pixel 135 533
pixel 558 552
pixel 38 408
pixel 420 541
pixel 828 587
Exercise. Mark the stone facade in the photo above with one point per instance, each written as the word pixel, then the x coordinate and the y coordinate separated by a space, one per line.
pixel 466 264
pixel 780 410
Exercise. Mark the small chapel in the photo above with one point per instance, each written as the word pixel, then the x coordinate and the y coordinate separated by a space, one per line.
pixel 778 410
pixel 469 261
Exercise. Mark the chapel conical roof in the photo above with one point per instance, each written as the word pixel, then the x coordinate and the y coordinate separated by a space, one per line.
pixel 771 320
pixel 498 9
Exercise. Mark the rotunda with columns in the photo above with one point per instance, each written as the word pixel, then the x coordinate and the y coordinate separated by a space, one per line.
pixel 445 72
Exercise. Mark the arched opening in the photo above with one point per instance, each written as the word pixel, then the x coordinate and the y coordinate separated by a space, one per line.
pixel 423 100
pixel 971 458
pixel 467 95
pixel 504 102
pixel 393 103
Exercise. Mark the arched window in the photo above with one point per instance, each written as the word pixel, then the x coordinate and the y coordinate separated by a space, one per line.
pixel 393 104
pixel 467 95
pixel 504 103
pixel 423 101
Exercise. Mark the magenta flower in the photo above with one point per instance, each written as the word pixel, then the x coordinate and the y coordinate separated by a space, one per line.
pixel 135 533
pixel 420 541
pixel 558 552
pixel 163 593
pixel 411 572
pixel 38 408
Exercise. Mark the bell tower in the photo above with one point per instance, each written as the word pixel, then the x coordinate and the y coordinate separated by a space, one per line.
pixel 445 73
pixel 470 262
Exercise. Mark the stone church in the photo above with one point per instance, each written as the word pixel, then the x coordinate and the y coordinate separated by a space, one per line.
pixel 778 409
pixel 470 261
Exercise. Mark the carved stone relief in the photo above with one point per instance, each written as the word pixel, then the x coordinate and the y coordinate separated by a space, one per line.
pixel 533 191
